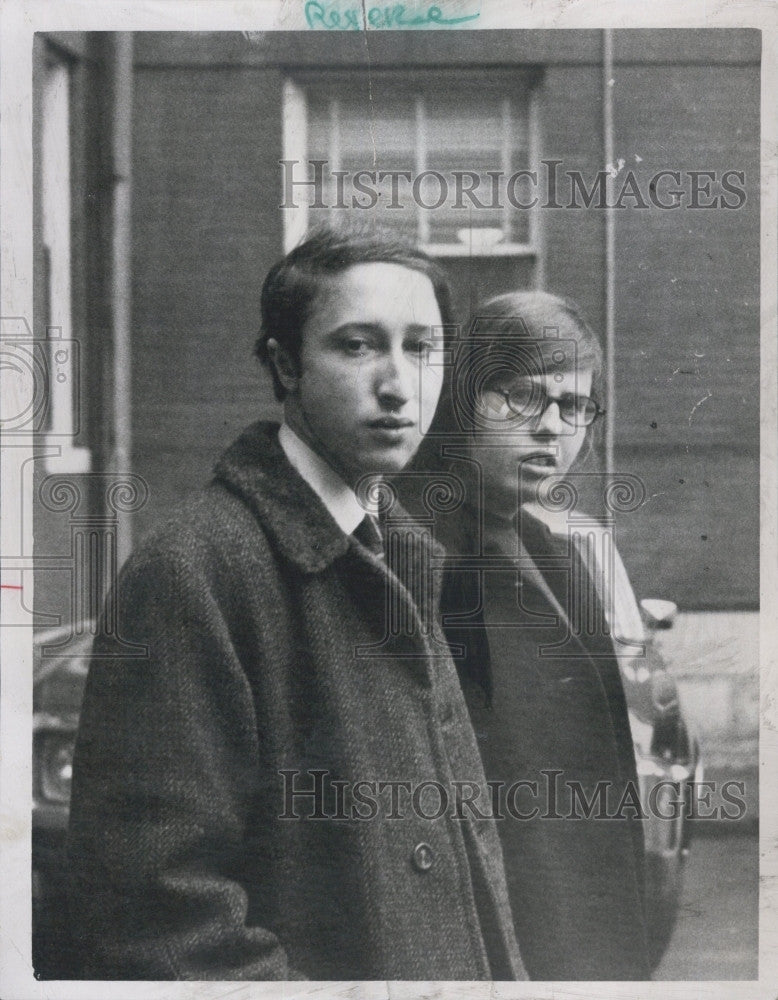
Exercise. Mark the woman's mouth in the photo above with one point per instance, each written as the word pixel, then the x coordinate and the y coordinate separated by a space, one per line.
pixel 540 459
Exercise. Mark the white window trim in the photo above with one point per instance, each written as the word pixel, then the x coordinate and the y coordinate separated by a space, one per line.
pixel 295 148
pixel 56 213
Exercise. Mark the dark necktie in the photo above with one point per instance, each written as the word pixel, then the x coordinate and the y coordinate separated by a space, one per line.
pixel 369 534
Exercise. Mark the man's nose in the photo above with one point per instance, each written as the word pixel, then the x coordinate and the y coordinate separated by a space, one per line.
pixel 396 379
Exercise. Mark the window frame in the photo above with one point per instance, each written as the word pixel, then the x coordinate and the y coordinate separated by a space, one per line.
pixel 296 88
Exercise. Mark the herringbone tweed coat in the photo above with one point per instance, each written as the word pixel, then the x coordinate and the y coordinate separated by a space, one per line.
pixel 267 652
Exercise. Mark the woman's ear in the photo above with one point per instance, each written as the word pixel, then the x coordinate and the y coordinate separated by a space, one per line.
pixel 284 364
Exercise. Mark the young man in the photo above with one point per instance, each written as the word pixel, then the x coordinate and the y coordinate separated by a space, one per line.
pixel 251 800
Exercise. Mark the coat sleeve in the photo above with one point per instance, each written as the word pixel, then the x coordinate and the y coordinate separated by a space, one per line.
pixel 164 773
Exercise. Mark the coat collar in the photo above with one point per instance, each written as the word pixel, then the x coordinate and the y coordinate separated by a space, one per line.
pixel 256 469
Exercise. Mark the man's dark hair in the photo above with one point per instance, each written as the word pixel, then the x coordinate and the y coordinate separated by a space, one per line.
pixel 292 285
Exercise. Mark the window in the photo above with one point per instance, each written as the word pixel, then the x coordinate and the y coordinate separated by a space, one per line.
pixel 442 158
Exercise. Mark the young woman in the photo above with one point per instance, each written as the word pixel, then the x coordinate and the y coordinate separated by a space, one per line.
pixel 536 607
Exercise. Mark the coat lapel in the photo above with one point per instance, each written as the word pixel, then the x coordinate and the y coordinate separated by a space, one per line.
pixel 256 468
pixel 303 531
pixel 534 583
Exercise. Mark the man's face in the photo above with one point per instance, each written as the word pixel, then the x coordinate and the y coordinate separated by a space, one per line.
pixel 366 391
pixel 517 454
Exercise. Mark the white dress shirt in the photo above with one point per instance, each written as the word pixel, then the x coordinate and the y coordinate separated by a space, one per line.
pixel 339 499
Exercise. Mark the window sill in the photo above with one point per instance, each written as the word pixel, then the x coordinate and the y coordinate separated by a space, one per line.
pixel 465 250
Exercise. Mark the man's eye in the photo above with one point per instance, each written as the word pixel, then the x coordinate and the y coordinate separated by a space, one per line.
pixel 356 346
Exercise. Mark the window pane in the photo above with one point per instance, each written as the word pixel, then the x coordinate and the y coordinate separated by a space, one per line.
pixel 429 157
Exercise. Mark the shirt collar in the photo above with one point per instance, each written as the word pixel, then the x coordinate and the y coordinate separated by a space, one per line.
pixel 339 499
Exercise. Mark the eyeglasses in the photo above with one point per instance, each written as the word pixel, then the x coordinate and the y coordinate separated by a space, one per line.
pixel 529 402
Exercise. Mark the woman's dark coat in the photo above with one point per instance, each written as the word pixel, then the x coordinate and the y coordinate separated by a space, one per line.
pixel 261 648
pixel 548 707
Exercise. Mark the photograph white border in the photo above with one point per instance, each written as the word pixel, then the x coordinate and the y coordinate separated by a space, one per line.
pixel 19 21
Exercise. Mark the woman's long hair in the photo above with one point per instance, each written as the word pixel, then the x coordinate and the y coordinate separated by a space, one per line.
pixel 518 333
pixel 521 332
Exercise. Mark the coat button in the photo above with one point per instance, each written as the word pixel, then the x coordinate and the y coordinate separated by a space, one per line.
pixel 423 857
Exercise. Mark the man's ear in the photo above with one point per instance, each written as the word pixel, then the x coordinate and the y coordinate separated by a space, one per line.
pixel 284 364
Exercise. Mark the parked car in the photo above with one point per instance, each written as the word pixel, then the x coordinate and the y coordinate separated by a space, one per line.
pixel 668 766
pixel 60 666
pixel 666 753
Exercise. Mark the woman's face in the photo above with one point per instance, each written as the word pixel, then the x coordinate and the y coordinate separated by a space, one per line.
pixel 517 451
